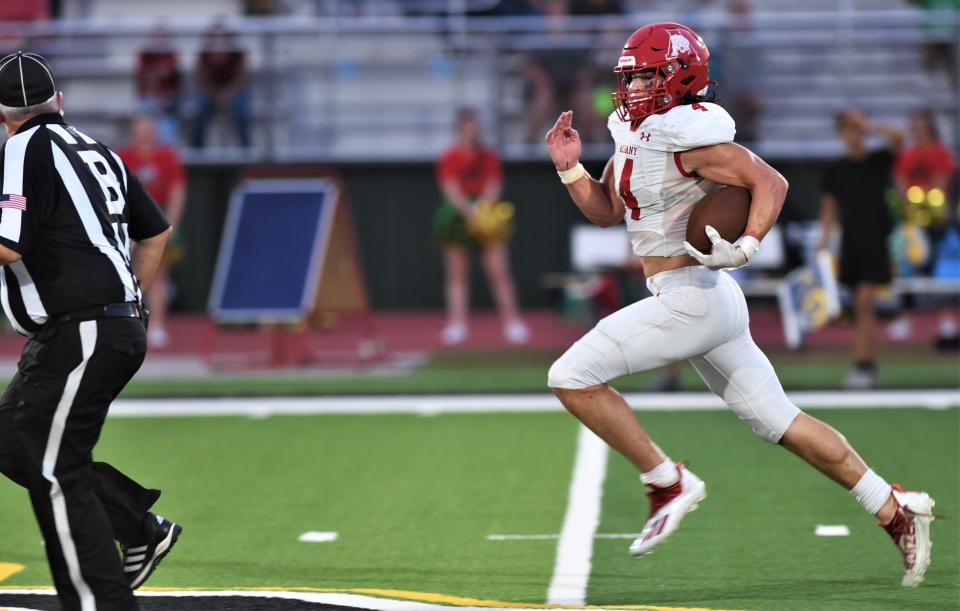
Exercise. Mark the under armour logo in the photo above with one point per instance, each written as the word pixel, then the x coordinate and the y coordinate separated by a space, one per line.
pixel 645 136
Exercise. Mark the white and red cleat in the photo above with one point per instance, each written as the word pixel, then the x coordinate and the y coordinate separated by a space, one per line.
pixel 667 507
pixel 910 530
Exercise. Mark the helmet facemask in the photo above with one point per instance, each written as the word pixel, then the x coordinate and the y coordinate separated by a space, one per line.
pixel 642 90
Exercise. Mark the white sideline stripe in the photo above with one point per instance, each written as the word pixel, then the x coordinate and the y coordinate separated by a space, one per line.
pixel 88 339
pixel 314 536
pixel 330 598
pixel 575 546
pixel 458 404
pixel 557 536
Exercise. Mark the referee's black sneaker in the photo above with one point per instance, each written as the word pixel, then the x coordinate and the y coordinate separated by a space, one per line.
pixel 139 561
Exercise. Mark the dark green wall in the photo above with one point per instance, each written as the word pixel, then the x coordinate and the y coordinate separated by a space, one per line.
pixel 392 207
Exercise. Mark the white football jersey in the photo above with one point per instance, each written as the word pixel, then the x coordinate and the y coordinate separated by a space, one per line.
pixel 650 181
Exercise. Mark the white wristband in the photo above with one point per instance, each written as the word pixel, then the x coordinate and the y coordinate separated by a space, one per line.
pixel 749 246
pixel 573 174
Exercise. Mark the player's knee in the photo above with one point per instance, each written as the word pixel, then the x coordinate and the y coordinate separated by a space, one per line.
pixel 768 419
pixel 775 420
pixel 570 373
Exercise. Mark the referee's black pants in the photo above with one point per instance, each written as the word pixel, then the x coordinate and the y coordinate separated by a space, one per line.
pixel 50 419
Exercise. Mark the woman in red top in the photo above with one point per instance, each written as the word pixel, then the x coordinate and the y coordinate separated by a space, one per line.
pixel 159 168
pixel 927 164
pixel 470 173
pixel 924 173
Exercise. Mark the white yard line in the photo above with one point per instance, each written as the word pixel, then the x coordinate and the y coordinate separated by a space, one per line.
pixel 832 530
pixel 452 404
pixel 571 573
pixel 315 536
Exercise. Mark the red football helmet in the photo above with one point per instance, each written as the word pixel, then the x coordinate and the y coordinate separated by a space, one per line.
pixel 672 58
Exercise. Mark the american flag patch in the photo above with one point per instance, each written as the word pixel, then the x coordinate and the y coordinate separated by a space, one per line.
pixel 12 200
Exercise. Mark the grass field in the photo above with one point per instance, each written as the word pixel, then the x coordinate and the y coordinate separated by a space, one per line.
pixel 525 371
pixel 414 498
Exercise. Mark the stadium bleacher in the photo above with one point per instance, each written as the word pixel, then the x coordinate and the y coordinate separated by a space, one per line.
pixel 329 88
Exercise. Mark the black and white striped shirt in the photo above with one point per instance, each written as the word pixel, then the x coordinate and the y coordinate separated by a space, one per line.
pixel 69 207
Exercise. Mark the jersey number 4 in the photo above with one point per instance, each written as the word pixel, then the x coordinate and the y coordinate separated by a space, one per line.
pixel 626 193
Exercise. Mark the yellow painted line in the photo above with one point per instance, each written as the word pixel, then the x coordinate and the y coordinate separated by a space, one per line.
pixel 427 597
pixel 9 568
pixel 460 601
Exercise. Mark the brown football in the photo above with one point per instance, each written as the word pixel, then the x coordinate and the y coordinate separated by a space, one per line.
pixel 725 209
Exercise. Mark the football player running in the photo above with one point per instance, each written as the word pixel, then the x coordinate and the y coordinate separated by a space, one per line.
pixel 671 148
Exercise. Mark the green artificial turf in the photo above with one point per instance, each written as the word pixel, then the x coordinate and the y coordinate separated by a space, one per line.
pixel 414 497
pixel 751 544
pixel 526 371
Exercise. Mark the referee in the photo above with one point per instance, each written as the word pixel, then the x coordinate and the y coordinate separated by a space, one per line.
pixel 68 212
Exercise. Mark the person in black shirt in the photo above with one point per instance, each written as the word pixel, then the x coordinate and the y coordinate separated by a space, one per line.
pixel 69 210
pixel 854 195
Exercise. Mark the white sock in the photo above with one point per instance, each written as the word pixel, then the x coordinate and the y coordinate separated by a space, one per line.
pixel 872 491
pixel 663 475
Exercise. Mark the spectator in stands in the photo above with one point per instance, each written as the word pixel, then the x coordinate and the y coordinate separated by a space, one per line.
pixel 511 7
pixel 20 11
pixel 924 173
pixel 558 77
pixel 740 74
pixel 262 7
pixel 470 178
pixel 854 193
pixel 158 84
pixel 159 168
pixel 596 7
pixel 940 49
pixel 25 10
pixel 223 83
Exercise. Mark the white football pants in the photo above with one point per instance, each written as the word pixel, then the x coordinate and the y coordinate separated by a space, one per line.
pixel 695 313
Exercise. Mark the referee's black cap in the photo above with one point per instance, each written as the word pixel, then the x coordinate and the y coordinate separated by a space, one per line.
pixel 25 80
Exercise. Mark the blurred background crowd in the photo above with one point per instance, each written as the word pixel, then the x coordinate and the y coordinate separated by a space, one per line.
pixel 198 93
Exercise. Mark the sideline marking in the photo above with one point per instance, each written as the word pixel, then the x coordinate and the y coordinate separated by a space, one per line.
pixel 8 569
pixel 832 530
pixel 375 599
pixel 314 536
pixel 575 546
pixel 263 407
pixel 557 536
